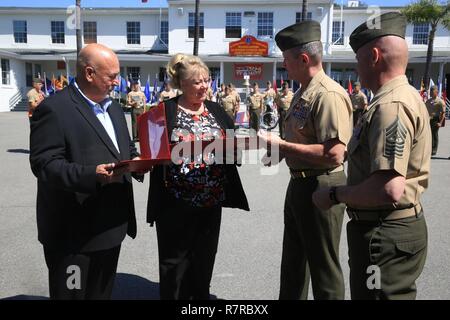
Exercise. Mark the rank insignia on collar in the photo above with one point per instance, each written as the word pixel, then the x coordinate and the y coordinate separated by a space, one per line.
pixel 395 137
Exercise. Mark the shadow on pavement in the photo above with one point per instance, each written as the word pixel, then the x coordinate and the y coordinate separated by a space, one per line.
pixel 133 287
pixel 25 297
pixel 439 158
pixel 25 151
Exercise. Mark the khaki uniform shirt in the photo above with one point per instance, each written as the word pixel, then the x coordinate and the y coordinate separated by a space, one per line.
pixel 237 97
pixel 166 95
pixel 359 100
pixel 209 94
pixel 323 111
pixel 393 134
pixel 435 107
pixel 138 97
pixel 33 96
pixel 228 102
pixel 270 94
pixel 283 100
pixel 255 101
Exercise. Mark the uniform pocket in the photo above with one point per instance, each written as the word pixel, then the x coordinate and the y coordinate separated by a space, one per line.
pixel 411 246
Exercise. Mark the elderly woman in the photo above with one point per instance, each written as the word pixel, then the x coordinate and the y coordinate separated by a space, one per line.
pixel 186 199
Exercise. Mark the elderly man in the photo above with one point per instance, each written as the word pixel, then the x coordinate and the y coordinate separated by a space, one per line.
pixel 84 204
pixel 388 169
pixel 318 128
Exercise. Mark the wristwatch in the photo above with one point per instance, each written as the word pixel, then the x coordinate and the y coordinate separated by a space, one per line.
pixel 332 194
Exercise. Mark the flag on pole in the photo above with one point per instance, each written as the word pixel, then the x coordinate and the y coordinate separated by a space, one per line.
pixel 45 86
pixel 214 86
pixel 422 91
pixel 429 87
pixel 350 88
pixel 147 91
pixel 123 85
pixel 154 98
pixel 281 80
pixel 274 85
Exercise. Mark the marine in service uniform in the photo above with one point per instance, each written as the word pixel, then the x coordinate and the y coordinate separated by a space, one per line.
pixel 269 96
pixel 235 93
pixel 167 93
pixel 228 102
pixel 209 94
pixel 136 100
pixel 436 110
pixel 35 96
pixel 388 169
pixel 283 102
pixel 318 128
pixel 255 106
pixel 359 102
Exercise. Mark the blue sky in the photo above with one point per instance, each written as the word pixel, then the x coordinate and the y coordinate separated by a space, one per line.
pixel 138 3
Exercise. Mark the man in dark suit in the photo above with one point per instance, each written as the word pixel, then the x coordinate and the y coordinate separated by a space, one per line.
pixel 84 204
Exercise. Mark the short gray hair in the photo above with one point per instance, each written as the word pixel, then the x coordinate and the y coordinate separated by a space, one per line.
pixel 314 50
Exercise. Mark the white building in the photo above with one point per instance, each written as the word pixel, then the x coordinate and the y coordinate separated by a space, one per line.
pixel 35 41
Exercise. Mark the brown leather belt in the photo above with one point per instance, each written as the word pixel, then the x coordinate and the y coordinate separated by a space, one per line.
pixel 367 215
pixel 295 174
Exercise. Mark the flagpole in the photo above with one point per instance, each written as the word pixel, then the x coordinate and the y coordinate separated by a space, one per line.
pixel 45 83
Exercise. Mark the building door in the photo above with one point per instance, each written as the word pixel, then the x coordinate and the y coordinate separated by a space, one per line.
pixel 38 71
pixel 29 74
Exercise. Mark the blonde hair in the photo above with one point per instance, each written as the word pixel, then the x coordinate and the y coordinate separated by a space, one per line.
pixel 182 66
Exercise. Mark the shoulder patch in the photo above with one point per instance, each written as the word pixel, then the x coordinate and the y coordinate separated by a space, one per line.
pixel 395 137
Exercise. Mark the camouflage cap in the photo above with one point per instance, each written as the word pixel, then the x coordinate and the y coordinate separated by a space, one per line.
pixel 37 80
pixel 387 24
pixel 357 84
pixel 298 34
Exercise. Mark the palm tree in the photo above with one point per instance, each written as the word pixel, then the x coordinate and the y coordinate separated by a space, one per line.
pixel 428 11
pixel 304 9
pixel 78 26
pixel 196 27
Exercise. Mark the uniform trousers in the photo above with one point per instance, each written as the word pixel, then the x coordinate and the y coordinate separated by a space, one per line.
pixel 311 241
pixel 135 113
pixel 282 123
pixel 386 257
pixel 255 115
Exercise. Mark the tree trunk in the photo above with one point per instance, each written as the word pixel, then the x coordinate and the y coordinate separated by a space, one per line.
pixel 78 25
pixel 429 56
pixel 304 9
pixel 196 27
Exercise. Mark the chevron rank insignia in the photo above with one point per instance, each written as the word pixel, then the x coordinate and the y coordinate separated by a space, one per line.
pixel 395 137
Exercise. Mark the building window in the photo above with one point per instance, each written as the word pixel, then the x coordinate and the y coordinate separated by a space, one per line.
pixel 20 31
pixel 233 25
pixel 192 25
pixel 337 36
pixel 265 24
pixel 90 32
pixel 420 33
pixel 164 33
pixel 134 73
pixel 298 16
pixel 133 32
pixel 57 31
pixel 6 72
